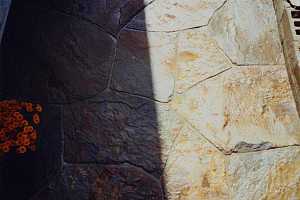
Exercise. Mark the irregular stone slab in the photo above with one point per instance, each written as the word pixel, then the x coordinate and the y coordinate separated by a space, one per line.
pixel 142 64
pixel 173 15
pixel 272 174
pixel 195 169
pixel 247 32
pixel 112 15
pixel 112 132
pixel 60 58
pixel 198 58
pixel 251 104
pixel 113 182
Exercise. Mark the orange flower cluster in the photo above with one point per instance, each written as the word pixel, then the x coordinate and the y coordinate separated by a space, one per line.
pixel 15 130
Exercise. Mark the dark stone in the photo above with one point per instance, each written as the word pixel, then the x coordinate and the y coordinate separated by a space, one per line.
pixel 113 132
pixel 56 58
pixel 112 15
pixel 97 182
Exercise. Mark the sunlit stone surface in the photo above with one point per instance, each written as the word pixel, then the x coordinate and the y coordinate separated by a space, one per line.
pixel 162 99
pixel 247 32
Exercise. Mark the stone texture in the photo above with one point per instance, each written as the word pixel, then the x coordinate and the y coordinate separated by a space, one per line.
pixel 247 32
pixel 113 132
pixel 111 182
pixel 60 58
pixel 246 104
pixel 142 64
pixel 174 15
pixel 162 113
pixel 197 170
pixel 111 15
pixel 198 57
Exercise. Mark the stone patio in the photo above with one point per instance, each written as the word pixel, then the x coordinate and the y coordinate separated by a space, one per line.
pixel 156 99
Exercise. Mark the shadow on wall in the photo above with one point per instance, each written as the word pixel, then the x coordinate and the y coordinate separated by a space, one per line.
pixel 100 133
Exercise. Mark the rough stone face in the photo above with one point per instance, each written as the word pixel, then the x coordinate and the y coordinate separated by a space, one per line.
pixel 273 174
pixel 198 57
pixel 114 132
pixel 174 15
pixel 159 109
pixel 245 104
pixel 142 64
pixel 111 182
pixel 111 15
pixel 197 170
pixel 60 58
pixel 247 32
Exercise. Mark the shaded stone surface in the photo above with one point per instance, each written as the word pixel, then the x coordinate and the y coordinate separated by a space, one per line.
pixel 114 132
pixel 141 64
pixel 4 9
pixel 161 109
pixel 29 172
pixel 60 58
pixel 111 182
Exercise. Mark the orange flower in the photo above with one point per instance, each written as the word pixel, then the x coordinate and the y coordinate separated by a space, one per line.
pixel 36 119
pixel 26 142
pixel 33 135
pixel 22 149
pixel 5 148
pixel 38 108
pixel 28 129
pixel 24 123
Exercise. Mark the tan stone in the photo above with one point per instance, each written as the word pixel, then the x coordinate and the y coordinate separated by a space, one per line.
pixel 245 105
pixel 247 32
pixel 198 58
pixel 173 15
pixel 197 170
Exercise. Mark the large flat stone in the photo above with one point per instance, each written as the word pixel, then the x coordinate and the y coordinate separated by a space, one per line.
pixel 245 105
pixel 174 15
pixel 111 15
pixel 57 58
pixel 197 170
pixel 114 132
pixel 247 31
pixel 198 57
pixel 113 182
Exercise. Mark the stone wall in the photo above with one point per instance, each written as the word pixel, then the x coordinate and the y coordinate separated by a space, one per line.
pixel 156 99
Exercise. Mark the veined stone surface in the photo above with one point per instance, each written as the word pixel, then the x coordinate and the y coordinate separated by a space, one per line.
pixel 251 104
pixel 197 170
pixel 174 15
pixel 160 99
pixel 247 32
